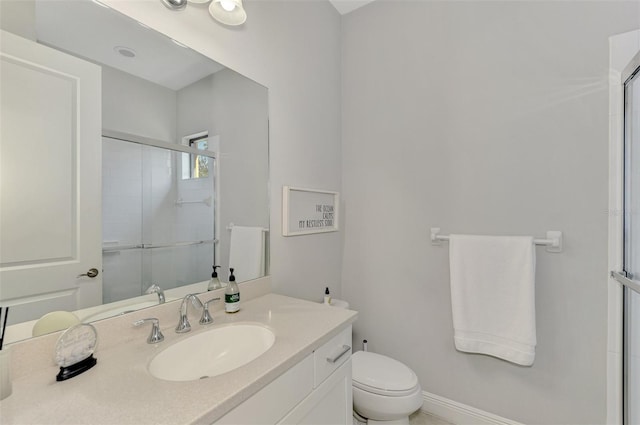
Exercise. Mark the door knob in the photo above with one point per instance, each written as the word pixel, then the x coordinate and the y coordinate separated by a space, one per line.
pixel 91 273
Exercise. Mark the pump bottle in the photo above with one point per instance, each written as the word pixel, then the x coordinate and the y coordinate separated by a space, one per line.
pixel 232 295
pixel 214 283
pixel 327 296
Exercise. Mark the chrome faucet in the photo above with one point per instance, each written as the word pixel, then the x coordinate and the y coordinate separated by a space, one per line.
pixel 155 336
pixel 183 323
pixel 206 318
pixel 155 289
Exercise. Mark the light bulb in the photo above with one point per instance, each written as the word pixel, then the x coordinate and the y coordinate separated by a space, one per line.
pixel 227 5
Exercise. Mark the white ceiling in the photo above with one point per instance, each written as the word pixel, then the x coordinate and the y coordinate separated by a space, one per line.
pixel 346 6
pixel 87 30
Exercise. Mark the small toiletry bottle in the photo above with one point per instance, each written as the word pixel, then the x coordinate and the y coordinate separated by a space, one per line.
pixel 327 297
pixel 232 295
pixel 214 283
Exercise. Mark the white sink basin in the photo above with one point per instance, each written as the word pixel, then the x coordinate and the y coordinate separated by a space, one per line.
pixel 212 353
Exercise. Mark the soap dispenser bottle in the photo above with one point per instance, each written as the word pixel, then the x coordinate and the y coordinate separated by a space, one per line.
pixel 327 296
pixel 232 295
pixel 214 283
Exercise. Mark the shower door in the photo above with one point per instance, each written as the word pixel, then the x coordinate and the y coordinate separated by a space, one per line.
pixel 631 271
pixel 158 218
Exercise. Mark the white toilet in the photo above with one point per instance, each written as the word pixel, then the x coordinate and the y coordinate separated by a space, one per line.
pixel 385 391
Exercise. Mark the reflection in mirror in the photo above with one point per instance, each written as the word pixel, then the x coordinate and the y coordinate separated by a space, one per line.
pixel 184 145
pixel 153 218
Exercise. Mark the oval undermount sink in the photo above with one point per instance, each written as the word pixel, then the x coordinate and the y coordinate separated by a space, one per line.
pixel 212 353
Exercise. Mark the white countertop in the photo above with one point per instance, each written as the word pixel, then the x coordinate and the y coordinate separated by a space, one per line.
pixel 120 390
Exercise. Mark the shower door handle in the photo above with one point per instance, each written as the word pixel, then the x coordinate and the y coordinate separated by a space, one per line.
pixel 624 278
pixel 91 273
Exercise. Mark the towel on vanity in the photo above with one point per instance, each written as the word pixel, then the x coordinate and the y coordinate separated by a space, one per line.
pixel 246 252
pixel 493 296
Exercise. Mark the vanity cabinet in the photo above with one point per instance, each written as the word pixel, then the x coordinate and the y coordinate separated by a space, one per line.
pixel 330 403
pixel 317 390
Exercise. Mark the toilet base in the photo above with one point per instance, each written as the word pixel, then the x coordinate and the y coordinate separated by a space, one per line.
pixel 361 420
pixel 401 421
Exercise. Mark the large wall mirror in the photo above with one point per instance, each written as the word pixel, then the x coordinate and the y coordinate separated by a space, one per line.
pixel 127 160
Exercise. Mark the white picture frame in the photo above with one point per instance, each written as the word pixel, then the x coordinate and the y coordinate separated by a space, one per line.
pixel 309 211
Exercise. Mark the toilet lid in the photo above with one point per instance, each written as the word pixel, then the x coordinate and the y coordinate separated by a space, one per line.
pixel 382 375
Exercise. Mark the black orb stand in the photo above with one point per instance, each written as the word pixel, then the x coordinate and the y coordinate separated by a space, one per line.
pixel 76 368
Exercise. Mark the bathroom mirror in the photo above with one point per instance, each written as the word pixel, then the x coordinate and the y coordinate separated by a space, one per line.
pixel 184 160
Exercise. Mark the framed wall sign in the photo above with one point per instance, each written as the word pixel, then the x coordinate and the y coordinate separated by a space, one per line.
pixel 307 211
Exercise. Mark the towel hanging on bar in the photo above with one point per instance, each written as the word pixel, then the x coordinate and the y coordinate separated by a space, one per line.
pixel 493 296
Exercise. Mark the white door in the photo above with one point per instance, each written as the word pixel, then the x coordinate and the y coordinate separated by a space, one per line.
pixel 50 174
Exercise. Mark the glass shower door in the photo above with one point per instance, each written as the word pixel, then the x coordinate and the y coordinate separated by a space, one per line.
pixel 631 272
pixel 122 197
pixel 178 230
pixel 158 220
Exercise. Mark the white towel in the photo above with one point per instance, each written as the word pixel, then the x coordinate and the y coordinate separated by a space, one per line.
pixel 493 296
pixel 246 252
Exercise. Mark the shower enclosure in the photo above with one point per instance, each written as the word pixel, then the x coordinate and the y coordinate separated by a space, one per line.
pixel 630 276
pixel 158 216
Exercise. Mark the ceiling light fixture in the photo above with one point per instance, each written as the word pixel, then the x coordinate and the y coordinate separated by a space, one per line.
pixel 228 12
pixel 175 4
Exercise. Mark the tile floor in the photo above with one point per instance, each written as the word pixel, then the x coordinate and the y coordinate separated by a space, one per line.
pixel 422 418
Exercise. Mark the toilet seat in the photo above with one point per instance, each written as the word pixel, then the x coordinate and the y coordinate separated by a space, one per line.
pixel 379 391
pixel 382 375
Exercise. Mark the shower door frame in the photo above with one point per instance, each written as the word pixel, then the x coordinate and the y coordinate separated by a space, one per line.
pixel 625 277
pixel 629 75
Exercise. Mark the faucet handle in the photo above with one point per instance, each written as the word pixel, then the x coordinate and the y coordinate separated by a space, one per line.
pixel 206 318
pixel 155 336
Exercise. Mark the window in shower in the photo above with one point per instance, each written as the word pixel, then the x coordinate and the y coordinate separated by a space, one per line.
pixel 631 272
pixel 195 166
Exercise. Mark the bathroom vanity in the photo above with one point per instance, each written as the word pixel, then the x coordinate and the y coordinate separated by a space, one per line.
pixel 305 377
pixel 316 390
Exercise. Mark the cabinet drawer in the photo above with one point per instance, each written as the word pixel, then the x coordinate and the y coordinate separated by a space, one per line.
pixel 331 355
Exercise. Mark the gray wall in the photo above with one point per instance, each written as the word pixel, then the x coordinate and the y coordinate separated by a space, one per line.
pixel 234 108
pixel 293 48
pixel 18 17
pixel 136 106
pixel 239 107
pixel 486 118
pixel 195 106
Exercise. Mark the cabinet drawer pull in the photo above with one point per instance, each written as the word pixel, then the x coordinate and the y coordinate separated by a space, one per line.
pixel 345 350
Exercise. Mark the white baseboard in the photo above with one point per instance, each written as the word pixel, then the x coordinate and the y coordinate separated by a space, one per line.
pixel 460 414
